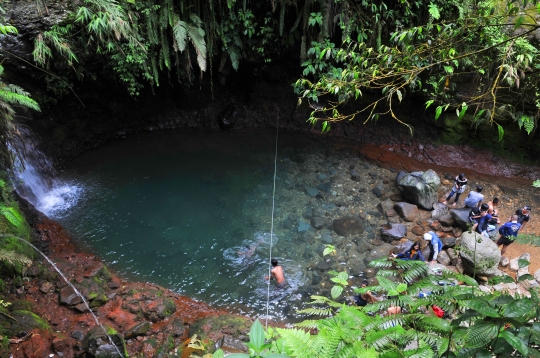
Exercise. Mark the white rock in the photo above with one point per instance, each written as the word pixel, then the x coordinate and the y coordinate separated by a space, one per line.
pixel 510 286
pixel 484 289
pixel 522 271
pixel 537 275
pixel 504 261
pixel 514 262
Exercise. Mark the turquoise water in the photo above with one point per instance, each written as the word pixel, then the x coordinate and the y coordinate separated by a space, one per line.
pixel 174 208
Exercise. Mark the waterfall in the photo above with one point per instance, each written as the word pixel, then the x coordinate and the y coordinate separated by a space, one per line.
pixel 35 176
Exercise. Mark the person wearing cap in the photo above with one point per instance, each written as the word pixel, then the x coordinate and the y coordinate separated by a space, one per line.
pixel 460 182
pixel 474 198
pixel 435 246
pixel 508 233
pixel 523 215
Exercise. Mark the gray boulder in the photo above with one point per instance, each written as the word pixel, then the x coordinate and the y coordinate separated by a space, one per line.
pixel 514 263
pixel 447 220
pixel 97 344
pixel 443 258
pixel 419 188
pixel 318 222
pixel 402 247
pixel 409 212
pixel 438 210
pixel 461 216
pixel 391 232
pixel 479 254
pixel 379 252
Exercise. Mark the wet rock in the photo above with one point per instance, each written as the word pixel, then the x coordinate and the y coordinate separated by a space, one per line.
pixel 78 335
pixel 140 329
pixel 82 307
pixel 419 188
pixel 25 321
pixel 97 344
pixel 325 187
pixel 303 225
pixel 443 258
pixel 461 216
pixel 287 224
pixel 230 344
pixel 438 210
pixel 322 176
pixel 408 212
pixel 396 197
pixel 384 206
pixel 378 252
pixel 370 272
pixel 378 191
pixel 448 242
pixel 447 220
pixel 392 232
pixel 63 347
pixel 479 254
pixel 306 214
pixel 348 226
pixel 355 176
pixel 402 247
pixel 316 280
pixel 46 287
pixel 69 297
pixel 323 266
pixel 318 222
pixel 326 238
pixel 311 191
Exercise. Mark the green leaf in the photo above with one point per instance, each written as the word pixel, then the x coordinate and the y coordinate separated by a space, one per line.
pixel 218 354
pixel 519 22
pixel 256 335
pixel 237 355
pixel 12 215
pixel 434 11
pixel 483 307
pixel 523 263
pixel 402 287
pixel 525 277
pixel 519 307
pixel 438 112
pixel 429 103
pixel 515 342
pixel 343 276
pixel 501 132
pixel 464 108
pixel 274 355
pixel 336 291
pixel 393 293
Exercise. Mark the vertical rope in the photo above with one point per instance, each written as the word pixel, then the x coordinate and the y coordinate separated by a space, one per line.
pixel 272 226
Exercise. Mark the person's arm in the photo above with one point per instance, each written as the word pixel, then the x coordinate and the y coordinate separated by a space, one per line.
pixel 420 256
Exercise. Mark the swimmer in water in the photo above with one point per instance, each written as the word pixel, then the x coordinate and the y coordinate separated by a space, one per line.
pixel 250 250
pixel 277 273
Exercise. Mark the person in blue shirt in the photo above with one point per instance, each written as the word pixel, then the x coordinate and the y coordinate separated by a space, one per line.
pixel 474 198
pixel 508 233
pixel 414 253
pixel 435 246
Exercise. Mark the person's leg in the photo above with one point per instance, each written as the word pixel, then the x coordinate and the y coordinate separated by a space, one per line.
pixel 449 196
pixel 504 249
pixel 457 198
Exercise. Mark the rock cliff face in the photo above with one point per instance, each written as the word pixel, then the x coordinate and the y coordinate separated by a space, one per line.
pixel 253 97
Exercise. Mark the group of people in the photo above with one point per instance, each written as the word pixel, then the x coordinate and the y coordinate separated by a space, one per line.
pixel 484 216
pixel 415 252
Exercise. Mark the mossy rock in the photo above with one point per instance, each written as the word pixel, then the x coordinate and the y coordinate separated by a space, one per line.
pixel 96 342
pixel 211 328
pixel 25 322
pixel 138 330
pixel 21 305
pixel 98 300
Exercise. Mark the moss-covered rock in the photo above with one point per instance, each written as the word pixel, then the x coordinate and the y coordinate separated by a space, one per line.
pixel 214 328
pixel 23 321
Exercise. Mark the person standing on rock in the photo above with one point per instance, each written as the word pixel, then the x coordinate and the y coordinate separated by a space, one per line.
pixel 523 215
pixel 460 182
pixel 508 233
pixel 435 246
pixel 277 273
pixel 474 198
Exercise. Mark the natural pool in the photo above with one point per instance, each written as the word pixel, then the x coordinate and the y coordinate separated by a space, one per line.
pixel 175 207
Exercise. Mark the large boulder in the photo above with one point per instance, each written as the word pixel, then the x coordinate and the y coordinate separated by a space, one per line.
pixel 379 252
pixel 348 226
pixel 438 210
pixel 98 343
pixel 479 254
pixel 391 232
pixel 409 212
pixel 420 188
pixel 461 216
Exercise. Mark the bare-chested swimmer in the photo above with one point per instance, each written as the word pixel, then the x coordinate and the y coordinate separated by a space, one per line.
pixel 277 273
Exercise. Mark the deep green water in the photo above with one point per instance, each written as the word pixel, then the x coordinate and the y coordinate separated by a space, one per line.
pixel 174 208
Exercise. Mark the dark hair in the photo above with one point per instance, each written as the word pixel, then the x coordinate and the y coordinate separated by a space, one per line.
pixel 495 200
pixel 461 176
pixel 365 282
pixel 527 207
pixel 416 243
pixel 484 207
pixel 274 262
pixel 479 188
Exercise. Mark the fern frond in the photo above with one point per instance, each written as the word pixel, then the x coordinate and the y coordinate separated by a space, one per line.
pixel 297 342
pixel 180 34
pixel 8 29
pixel 309 324
pixel 385 262
pixel 480 334
pixel 313 311
pixel 12 257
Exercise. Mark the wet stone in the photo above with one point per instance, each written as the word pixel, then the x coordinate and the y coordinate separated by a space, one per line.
pixel 46 287
pixel 78 335
pixel 287 224
pixel 377 191
pixel 323 266
pixel 418 230
pixel 318 222
pixel 326 238
pixel 311 191
pixel 322 176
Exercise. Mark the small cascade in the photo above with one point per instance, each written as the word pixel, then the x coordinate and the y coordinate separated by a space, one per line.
pixel 36 177
pixel 74 290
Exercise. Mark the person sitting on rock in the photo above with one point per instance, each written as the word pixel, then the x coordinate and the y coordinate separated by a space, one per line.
pixel 483 223
pixel 474 198
pixel 492 210
pixel 460 182
pixel 414 253
pixel 523 215
pixel 364 298
pixel 477 214
pixel 509 232
pixel 435 246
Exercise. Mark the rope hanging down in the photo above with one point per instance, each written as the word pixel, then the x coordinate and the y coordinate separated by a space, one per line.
pixel 272 226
